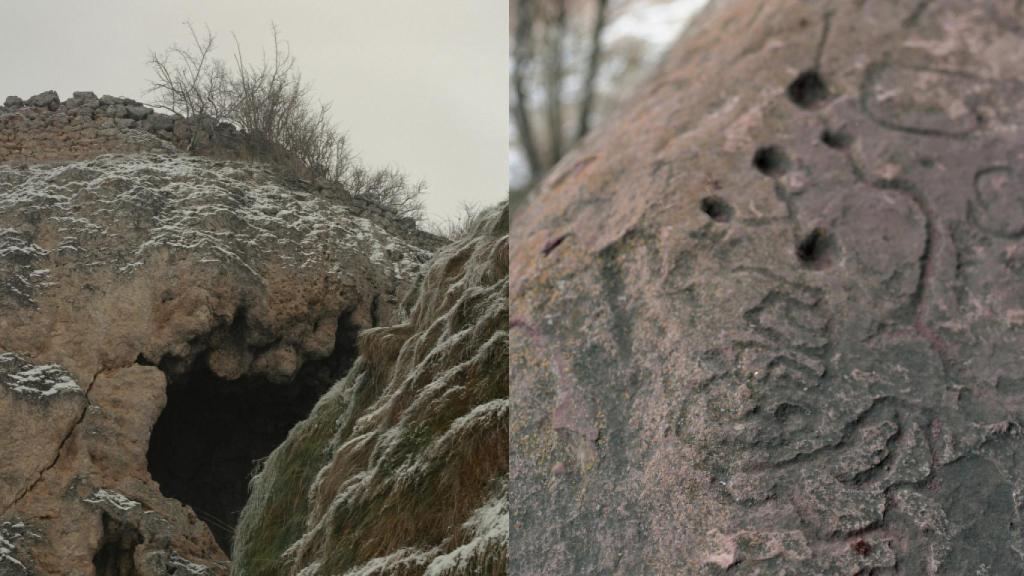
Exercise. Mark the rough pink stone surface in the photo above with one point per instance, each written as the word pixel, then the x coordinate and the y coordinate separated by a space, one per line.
pixel 769 320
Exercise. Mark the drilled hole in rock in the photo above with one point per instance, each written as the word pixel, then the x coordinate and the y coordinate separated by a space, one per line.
pixel 717 209
pixel 807 90
pixel 815 250
pixel 116 554
pixel 771 161
pixel 837 139
pixel 207 441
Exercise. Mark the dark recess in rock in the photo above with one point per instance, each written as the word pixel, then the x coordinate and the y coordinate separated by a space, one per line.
pixel 550 245
pixel 716 208
pixel 807 90
pixel 116 555
pixel 771 161
pixel 838 139
pixel 208 440
pixel 815 250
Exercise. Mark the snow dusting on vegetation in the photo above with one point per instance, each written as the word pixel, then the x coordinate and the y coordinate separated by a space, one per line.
pixel 402 466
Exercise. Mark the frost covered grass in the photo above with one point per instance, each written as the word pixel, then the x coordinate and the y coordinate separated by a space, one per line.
pixel 402 466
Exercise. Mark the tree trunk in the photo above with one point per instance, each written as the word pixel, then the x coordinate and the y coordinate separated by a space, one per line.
pixel 521 105
pixel 769 319
pixel 553 74
pixel 593 64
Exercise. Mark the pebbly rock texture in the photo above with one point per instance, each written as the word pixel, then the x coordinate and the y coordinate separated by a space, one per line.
pixel 165 319
pixel 769 319
pixel 44 129
pixel 402 467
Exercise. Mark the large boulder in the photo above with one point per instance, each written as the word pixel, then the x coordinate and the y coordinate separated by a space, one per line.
pixel 48 99
pixel 768 320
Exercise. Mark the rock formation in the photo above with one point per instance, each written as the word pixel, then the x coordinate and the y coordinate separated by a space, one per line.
pixel 164 320
pixel 768 320
pixel 402 467
pixel 44 129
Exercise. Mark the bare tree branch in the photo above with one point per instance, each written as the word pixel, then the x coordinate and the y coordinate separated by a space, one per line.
pixel 187 83
pixel 270 103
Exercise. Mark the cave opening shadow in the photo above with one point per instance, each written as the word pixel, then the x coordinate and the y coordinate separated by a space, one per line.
pixel 210 436
pixel 116 555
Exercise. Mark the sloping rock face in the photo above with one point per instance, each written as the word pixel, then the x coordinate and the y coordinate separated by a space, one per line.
pixel 402 467
pixel 165 319
pixel 768 320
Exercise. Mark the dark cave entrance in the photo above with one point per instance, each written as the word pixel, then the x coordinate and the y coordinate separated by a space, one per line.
pixel 207 440
pixel 116 555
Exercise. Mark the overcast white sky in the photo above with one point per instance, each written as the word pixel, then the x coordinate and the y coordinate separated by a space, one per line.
pixel 421 85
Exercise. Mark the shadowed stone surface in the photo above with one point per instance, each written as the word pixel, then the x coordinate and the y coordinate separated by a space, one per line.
pixel 829 380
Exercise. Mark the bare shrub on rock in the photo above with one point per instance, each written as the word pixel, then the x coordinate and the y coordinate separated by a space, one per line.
pixel 190 81
pixel 271 103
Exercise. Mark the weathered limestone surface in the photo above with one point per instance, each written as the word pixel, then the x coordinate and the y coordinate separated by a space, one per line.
pixel 769 319
pixel 119 271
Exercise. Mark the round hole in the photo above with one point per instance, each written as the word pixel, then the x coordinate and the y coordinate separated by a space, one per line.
pixel 771 161
pixel 837 139
pixel 717 209
pixel 808 90
pixel 816 248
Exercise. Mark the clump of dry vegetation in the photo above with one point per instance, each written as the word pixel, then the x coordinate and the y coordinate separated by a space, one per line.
pixel 402 467
pixel 458 226
pixel 271 103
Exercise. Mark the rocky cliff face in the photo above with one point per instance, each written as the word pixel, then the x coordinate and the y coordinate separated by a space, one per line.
pixel 164 320
pixel 402 467
pixel 768 320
